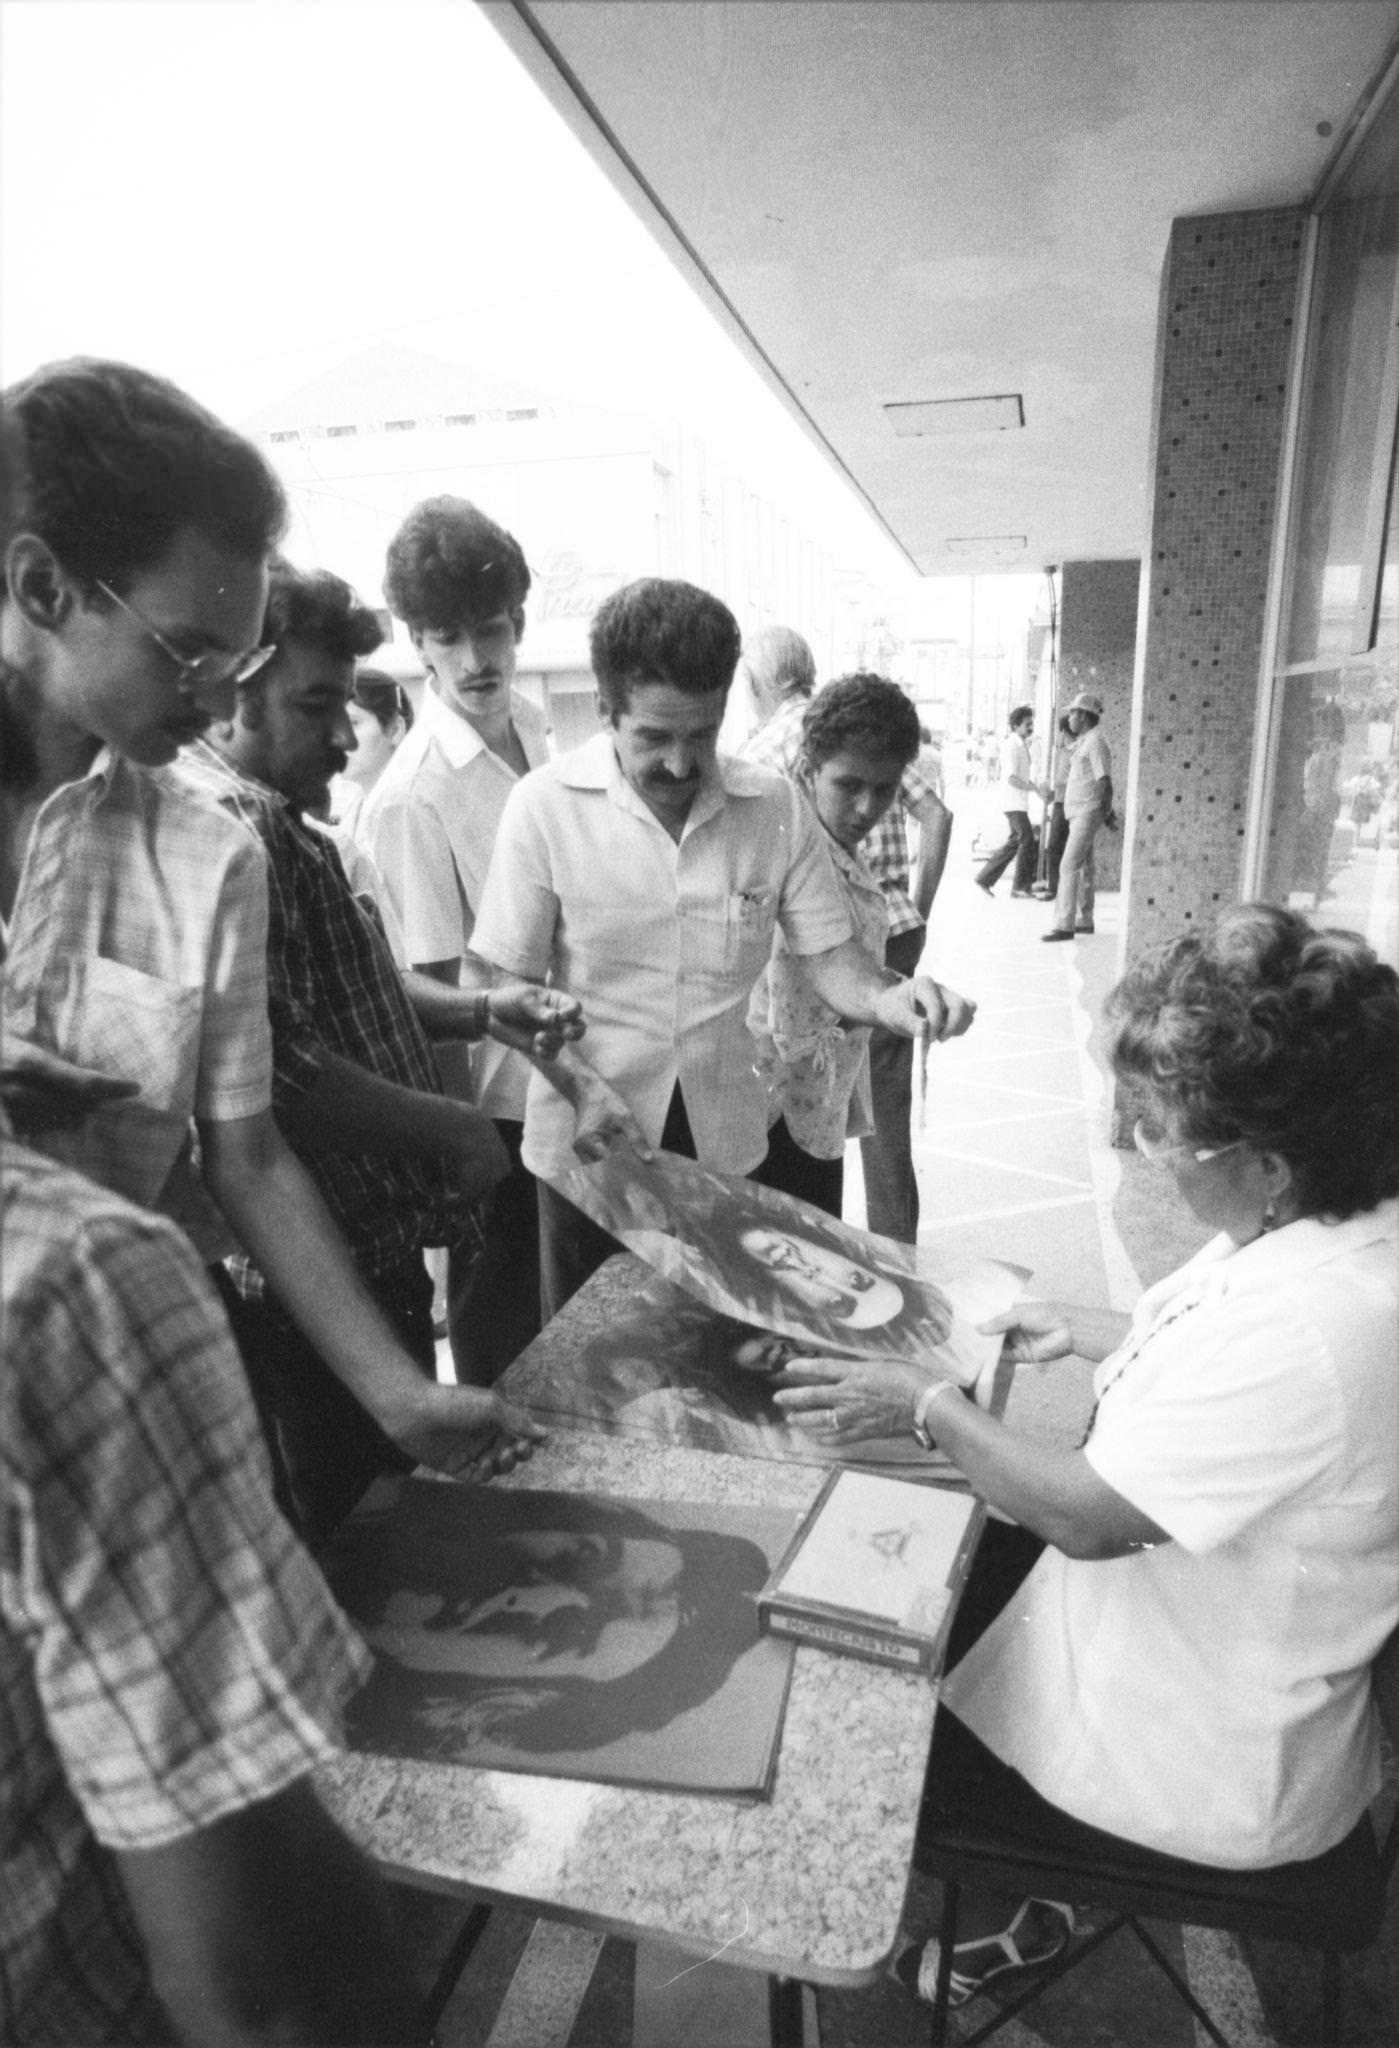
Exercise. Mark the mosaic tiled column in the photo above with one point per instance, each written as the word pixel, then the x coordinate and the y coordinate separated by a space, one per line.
pixel 1228 305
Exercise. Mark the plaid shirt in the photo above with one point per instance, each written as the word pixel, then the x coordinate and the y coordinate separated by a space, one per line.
pixel 884 851
pixel 139 947
pixel 169 1654
pixel 333 987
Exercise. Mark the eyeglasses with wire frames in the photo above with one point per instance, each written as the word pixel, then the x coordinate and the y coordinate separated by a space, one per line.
pixel 209 671
pixel 1160 1153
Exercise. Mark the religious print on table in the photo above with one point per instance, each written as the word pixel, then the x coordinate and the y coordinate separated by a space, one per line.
pixel 767 1259
pixel 666 1367
pixel 566 1635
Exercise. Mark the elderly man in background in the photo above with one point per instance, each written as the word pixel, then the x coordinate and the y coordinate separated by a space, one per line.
pixel 1087 808
pixel 647 875
pixel 781 672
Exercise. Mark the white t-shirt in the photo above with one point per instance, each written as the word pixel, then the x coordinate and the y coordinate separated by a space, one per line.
pixel 1210 1697
pixel 429 825
pixel 661 942
pixel 1015 760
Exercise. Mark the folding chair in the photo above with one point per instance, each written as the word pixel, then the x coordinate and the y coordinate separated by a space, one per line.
pixel 1334 1903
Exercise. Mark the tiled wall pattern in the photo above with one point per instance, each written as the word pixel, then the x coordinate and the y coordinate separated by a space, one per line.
pixel 1227 310
pixel 1097 652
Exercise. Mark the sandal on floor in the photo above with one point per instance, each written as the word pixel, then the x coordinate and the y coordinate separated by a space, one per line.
pixel 917 1967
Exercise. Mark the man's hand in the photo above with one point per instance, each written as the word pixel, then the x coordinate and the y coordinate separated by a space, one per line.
pixel 923 1008
pixel 533 1020
pixel 469 1432
pixel 41 1091
pixel 604 1120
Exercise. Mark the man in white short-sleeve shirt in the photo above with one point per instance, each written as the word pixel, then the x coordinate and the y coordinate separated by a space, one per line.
pixel 647 877
pixel 459 583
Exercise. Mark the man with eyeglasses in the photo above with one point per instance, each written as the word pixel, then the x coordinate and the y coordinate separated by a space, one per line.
pixel 136 584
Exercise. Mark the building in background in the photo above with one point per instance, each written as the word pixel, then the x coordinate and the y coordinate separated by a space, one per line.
pixel 596 497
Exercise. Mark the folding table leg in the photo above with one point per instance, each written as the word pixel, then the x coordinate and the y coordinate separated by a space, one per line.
pixel 785 2012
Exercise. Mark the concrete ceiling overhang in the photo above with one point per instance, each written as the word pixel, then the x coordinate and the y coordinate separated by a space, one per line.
pixel 891 202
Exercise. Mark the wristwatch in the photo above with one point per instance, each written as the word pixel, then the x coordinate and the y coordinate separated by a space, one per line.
pixel 921 1406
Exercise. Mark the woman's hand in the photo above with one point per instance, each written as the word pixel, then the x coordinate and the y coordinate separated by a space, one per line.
pixel 1035 1331
pixel 850 1400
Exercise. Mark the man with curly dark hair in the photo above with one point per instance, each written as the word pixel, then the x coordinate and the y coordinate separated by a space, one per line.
pixel 459 583
pixel 400 1165
pixel 648 875
pixel 856 739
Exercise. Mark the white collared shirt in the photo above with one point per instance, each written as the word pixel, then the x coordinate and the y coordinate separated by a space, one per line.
pixel 429 825
pixel 661 941
pixel 1210 1697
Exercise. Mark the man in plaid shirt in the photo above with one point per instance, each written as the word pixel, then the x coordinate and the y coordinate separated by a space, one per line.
pixel 400 1164
pixel 172 1667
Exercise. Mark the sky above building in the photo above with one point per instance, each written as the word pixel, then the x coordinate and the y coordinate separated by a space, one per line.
pixel 242 193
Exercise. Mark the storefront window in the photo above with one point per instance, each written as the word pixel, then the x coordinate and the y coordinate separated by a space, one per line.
pixel 1332 829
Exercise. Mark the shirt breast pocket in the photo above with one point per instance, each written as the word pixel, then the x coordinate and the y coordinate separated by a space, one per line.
pixel 135 1027
pixel 731 941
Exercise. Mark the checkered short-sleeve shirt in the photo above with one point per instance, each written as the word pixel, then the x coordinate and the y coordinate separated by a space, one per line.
pixel 168 1652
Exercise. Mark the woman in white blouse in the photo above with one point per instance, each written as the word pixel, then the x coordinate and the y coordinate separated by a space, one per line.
pixel 1186 1665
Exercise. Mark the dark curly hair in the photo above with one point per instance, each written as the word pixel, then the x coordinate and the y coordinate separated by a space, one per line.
pixel 1267 1032
pixel 450 565
pixel 662 631
pixel 860 710
pixel 115 462
pixel 320 610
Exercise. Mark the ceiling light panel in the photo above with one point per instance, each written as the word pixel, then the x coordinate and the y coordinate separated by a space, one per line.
pixel 942 416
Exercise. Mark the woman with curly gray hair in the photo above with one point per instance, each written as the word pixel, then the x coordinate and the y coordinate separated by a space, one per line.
pixel 1186 1664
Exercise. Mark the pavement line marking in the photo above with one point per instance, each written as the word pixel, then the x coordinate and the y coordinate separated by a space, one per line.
pixel 1063 1180
pixel 1020 1116
pixel 996 1215
pixel 1030 1094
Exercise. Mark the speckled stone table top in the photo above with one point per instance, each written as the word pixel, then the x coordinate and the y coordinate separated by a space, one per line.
pixel 809 1884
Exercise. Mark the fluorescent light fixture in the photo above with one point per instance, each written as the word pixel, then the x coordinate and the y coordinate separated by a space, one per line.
pixel 939 416
pixel 1002 544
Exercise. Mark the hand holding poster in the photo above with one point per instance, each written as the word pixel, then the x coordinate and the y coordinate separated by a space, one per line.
pixel 768 1260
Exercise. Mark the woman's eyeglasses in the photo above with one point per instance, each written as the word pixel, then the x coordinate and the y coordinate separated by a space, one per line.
pixel 1155 1146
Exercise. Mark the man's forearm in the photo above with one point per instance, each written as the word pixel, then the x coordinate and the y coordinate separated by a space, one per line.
pixel 284 1226
pixel 448 997
pixel 269 1926
pixel 848 980
pixel 351 1110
